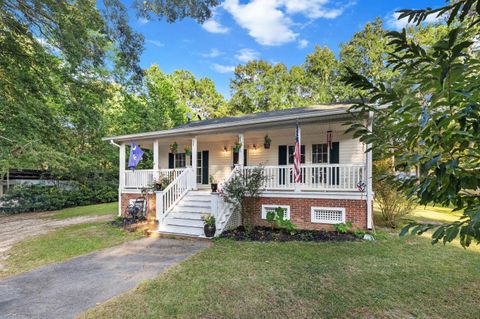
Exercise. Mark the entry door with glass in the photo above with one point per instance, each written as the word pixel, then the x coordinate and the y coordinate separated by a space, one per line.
pixel 202 167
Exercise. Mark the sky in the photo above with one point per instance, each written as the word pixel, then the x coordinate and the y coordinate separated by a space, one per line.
pixel 274 30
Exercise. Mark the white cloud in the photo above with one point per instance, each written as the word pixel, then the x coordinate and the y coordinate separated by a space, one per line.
pixel 263 19
pixel 213 53
pixel 302 43
pixel 143 20
pixel 223 68
pixel 393 22
pixel 246 55
pixel 156 43
pixel 314 9
pixel 214 26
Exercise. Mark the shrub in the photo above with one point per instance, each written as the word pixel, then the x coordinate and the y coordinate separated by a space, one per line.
pixel 243 191
pixel 393 203
pixel 35 198
pixel 277 218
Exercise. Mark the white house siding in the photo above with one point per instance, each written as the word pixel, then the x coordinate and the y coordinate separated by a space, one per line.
pixel 220 162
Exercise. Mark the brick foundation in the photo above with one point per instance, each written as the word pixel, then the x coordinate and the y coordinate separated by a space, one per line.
pixel 151 204
pixel 300 211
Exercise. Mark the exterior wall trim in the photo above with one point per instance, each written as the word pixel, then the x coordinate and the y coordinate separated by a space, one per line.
pixel 319 195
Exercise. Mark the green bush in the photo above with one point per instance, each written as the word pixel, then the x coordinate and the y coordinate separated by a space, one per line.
pixel 35 198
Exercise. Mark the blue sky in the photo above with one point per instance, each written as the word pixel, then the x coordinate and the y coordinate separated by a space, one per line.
pixel 273 30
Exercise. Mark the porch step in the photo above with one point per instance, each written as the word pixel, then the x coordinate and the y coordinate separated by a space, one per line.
pixel 186 217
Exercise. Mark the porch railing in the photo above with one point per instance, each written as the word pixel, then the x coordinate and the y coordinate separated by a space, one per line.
pixel 171 195
pixel 223 210
pixel 315 177
pixel 145 177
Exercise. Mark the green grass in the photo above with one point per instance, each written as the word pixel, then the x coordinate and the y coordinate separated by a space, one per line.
pixel 392 278
pixel 62 244
pixel 90 210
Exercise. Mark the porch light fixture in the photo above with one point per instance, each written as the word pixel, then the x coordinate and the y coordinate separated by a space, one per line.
pixel 225 149
pixel 254 146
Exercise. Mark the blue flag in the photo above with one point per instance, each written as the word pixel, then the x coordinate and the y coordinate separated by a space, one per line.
pixel 136 154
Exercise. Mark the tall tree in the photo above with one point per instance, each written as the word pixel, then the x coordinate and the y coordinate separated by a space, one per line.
pixel 200 95
pixel 435 107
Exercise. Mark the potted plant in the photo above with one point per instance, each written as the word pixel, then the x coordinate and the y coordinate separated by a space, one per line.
pixel 188 151
pixel 266 142
pixel 174 147
pixel 213 183
pixel 209 227
pixel 236 147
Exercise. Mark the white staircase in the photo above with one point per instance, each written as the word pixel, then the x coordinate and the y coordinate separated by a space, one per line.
pixel 186 217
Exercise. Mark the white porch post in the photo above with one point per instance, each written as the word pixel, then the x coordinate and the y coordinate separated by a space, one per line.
pixel 241 152
pixel 368 170
pixel 297 185
pixel 156 161
pixel 193 177
pixel 121 176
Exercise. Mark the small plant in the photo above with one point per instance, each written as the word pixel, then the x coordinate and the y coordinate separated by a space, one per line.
pixel 174 147
pixel 213 183
pixel 161 183
pixel 343 228
pixel 267 141
pixel 209 227
pixel 237 147
pixel 359 233
pixel 212 179
pixel 277 218
pixel 188 151
pixel 208 219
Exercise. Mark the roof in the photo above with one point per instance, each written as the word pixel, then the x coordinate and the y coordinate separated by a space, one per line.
pixel 300 113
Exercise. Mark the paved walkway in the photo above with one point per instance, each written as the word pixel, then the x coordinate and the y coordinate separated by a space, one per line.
pixel 69 288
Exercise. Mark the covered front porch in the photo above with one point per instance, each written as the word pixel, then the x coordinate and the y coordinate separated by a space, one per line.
pixel 338 165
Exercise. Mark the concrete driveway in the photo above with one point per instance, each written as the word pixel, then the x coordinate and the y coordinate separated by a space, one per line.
pixel 67 289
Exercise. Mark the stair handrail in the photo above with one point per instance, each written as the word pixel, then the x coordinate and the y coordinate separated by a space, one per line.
pixel 222 207
pixel 171 195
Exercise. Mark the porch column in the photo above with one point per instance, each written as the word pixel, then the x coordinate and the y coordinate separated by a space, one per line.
pixel 241 152
pixel 368 173
pixel 193 177
pixel 156 161
pixel 298 185
pixel 121 176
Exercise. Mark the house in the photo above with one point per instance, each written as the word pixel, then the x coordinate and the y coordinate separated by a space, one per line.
pixel 336 168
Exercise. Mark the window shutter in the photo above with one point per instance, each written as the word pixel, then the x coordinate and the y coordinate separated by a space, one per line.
pixel 335 159
pixel 171 160
pixel 205 167
pixel 282 154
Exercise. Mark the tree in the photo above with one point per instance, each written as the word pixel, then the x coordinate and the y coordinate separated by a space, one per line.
pixel 434 106
pixel 200 96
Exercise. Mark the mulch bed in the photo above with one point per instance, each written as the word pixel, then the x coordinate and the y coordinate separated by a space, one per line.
pixel 267 234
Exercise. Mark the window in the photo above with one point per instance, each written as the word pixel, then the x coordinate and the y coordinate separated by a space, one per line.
pixel 291 150
pixel 180 160
pixel 319 153
pixel 328 215
pixel 270 208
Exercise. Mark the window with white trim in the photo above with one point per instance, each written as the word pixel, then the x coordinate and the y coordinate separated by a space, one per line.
pixel 180 160
pixel 328 215
pixel 270 208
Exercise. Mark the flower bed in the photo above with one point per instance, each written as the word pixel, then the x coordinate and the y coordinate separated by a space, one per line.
pixel 267 234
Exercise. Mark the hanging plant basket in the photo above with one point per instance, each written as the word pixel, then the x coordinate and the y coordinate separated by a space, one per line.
pixel 237 147
pixel 266 142
pixel 174 147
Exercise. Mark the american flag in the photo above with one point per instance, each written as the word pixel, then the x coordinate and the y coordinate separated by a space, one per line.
pixel 297 172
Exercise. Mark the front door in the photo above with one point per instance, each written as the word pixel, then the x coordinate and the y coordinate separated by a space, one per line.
pixel 202 167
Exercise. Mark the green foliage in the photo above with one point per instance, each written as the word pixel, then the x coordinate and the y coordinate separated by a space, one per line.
pixel 35 198
pixel 432 112
pixel 277 218
pixel 243 191
pixel 174 10
pixel 343 228
pixel 392 202
pixel 208 219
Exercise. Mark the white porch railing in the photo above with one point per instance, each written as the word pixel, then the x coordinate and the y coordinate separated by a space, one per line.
pixel 144 177
pixel 222 210
pixel 171 195
pixel 315 177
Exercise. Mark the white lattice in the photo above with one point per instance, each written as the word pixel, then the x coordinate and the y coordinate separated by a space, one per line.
pixel 234 221
pixel 328 215
pixel 271 208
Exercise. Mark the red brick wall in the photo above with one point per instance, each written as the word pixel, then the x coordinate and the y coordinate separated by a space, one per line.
pixel 300 211
pixel 126 197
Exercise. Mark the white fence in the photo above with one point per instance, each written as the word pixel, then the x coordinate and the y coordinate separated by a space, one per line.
pixel 316 177
pixel 143 178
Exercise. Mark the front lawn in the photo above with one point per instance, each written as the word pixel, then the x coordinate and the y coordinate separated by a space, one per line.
pixel 391 278
pixel 62 244
pixel 89 210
